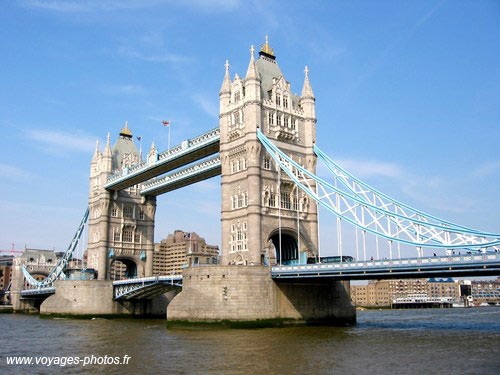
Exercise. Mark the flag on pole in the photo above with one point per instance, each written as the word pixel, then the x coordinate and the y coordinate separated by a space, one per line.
pixel 165 123
pixel 139 138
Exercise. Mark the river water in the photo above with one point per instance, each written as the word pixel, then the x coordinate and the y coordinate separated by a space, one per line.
pixel 437 341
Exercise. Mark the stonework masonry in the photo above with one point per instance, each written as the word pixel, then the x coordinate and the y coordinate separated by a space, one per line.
pixel 247 293
pixel 95 298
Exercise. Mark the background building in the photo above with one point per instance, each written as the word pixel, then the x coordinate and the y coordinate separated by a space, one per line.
pixel 485 291
pixel 180 250
pixel 382 292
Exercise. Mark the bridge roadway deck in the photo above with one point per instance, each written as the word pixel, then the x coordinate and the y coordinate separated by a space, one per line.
pixel 439 266
pixel 38 292
pixel 145 287
pixel 185 153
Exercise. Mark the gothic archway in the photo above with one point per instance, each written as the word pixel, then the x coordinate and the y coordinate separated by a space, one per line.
pixel 288 253
pixel 123 268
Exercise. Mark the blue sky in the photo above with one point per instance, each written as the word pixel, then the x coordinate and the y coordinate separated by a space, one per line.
pixel 407 98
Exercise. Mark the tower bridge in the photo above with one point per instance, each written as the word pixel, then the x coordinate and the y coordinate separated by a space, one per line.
pixel 266 151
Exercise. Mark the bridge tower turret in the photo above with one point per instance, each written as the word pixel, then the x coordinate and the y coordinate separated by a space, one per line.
pixel 121 223
pixel 265 217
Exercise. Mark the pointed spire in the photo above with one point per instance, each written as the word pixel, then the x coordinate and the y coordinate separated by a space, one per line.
pixel 152 154
pixel 226 83
pixel 266 50
pixel 252 70
pixel 307 89
pixel 96 152
pixel 107 150
pixel 126 131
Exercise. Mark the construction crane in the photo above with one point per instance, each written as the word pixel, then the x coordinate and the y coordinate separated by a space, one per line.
pixel 12 250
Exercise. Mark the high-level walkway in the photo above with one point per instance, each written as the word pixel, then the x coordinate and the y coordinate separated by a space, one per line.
pixel 185 153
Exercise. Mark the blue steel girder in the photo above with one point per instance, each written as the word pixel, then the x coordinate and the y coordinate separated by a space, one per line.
pixel 374 217
pixel 58 271
pixel 189 151
pixel 146 287
pixel 184 177
pixel 409 268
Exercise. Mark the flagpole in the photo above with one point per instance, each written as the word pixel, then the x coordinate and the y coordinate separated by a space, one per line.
pixel 167 123
pixel 140 147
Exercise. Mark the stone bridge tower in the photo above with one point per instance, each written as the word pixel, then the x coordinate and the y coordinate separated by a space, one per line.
pixel 121 223
pixel 266 218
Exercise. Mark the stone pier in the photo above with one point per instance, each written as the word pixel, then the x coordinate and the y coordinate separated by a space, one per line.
pixel 94 298
pixel 247 294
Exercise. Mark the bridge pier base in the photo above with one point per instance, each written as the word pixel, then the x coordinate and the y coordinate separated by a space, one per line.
pixel 248 294
pixel 94 298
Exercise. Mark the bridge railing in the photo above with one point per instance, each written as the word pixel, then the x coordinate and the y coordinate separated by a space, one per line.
pixel 399 263
pixel 172 153
pixel 140 280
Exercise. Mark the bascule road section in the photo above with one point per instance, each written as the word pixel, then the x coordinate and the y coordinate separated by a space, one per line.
pixel 185 153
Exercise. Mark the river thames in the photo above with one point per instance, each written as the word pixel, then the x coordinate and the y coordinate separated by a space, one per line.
pixel 437 341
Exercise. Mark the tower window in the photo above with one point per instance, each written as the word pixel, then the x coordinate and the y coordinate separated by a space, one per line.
pixel 141 215
pixel 128 211
pixel 285 101
pixel 272 200
pixel 116 236
pixel 278 99
pixel 114 212
pixel 127 235
pixel 285 200
pixel 267 162
pixel 271 118
pixel 278 120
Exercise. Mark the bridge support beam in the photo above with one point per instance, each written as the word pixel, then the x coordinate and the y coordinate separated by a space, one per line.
pixel 247 294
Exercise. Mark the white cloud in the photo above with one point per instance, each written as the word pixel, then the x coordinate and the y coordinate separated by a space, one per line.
pixel 12 172
pixel 161 58
pixel 58 140
pixel 129 89
pixel 209 106
pixel 487 169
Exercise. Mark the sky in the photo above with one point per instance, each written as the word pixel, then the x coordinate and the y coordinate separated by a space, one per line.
pixel 407 99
